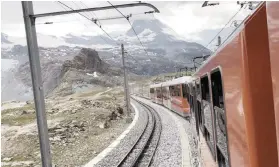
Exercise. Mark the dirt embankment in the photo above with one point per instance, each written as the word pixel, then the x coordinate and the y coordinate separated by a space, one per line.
pixel 80 126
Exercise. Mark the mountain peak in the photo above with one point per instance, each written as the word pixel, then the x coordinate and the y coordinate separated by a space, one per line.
pixel 4 38
pixel 140 25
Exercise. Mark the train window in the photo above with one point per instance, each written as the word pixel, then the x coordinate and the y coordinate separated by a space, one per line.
pixel 164 93
pixel 175 90
pixel 178 91
pixel 220 121
pixel 198 89
pixel 205 89
pixel 158 92
pixel 217 91
pixel 171 88
pixel 184 90
pixel 152 90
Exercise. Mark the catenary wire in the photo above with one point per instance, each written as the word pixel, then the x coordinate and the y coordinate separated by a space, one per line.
pixel 127 18
pixel 91 21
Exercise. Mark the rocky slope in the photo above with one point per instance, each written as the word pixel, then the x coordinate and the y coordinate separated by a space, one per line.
pixel 79 125
pixel 167 52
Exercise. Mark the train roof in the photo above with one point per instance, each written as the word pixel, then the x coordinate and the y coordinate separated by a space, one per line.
pixel 176 81
pixel 156 85
pixel 231 36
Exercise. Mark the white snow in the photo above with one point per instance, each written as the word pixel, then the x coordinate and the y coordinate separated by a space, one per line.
pixel 10 105
pixel 8 64
pixel 147 35
pixel 93 75
pixel 172 33
pixel 45 41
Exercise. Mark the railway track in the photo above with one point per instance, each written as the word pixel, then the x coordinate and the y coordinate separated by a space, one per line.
pixel 143 150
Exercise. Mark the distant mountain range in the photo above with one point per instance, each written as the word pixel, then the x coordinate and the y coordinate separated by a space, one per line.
pixel 167 52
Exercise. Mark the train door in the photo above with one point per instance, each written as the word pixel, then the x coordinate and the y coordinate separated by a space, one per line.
pixel 209 131
pixel 191 98
pixel 168 98
pixel 200 117
pixel 152 94
pixel 220 121
pixel 185 103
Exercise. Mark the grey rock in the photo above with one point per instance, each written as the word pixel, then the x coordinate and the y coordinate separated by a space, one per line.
pixel 7 159
pixel 23 112
pixel 104 125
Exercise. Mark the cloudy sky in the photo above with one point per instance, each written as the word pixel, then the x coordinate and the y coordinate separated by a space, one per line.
pixel 188 19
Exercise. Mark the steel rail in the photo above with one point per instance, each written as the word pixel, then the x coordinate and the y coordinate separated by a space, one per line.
pixel 134 145
pixel 139 139
pixel 160 129
pixel 146 143
pixel 96 9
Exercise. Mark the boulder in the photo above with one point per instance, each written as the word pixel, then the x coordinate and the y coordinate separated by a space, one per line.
pixel 7 159
pixel 23 112
pixel 120 110
pixel 104 125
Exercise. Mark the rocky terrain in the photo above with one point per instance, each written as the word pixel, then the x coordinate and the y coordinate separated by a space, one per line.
pixel 85 111
pixel 80 126
pixel 83 89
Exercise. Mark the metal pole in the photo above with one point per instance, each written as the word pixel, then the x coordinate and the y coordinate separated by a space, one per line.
pixel 37 83
pixel 126 89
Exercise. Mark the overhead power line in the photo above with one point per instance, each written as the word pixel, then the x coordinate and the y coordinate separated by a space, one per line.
pixel 127 18
pixel 74 20
pixel 90 21
pixel 223 27
pixel 92 14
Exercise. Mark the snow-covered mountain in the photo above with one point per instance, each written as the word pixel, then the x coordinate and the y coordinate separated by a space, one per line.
pixel 167 51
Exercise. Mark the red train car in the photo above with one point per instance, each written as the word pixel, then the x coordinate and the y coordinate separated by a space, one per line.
pixel 156 93
pixel 273 33
pixel 234 95
pixel 173 95
pixel 232 98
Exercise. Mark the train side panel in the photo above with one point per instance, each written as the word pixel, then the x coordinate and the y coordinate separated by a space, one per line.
pixel 152 94
pixel 245 69
pixel 273 32
pixel 179 104
pixel 257 94
pixel 166 97
pixel 230 61
pixel 159 95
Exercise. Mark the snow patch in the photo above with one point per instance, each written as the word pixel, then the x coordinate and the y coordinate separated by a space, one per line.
pixel 93 75
pixel 8 64
pixel 10 105
pixel 172 33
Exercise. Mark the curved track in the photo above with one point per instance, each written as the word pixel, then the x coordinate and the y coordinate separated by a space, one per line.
pixel 143 150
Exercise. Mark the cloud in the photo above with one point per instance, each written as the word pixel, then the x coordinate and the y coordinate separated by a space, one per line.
pixel 188 19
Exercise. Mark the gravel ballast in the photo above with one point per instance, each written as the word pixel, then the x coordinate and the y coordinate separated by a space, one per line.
pixel 114 157
pixel 168 152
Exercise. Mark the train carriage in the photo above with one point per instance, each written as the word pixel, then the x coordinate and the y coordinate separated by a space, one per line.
pixel 156 93
pixel 234 96
pixel 230 92
pixel 273 33
pixel 175 95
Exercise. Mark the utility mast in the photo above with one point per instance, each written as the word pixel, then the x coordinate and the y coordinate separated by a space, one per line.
pixel 35 68
pixel 126 86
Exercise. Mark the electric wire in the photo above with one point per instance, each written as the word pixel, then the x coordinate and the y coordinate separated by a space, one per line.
pixel 78 7
pixel 92 13
pixel 91 21
pixel 221 31
pixel 87 26
pixel 127 18
pixel 223 27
